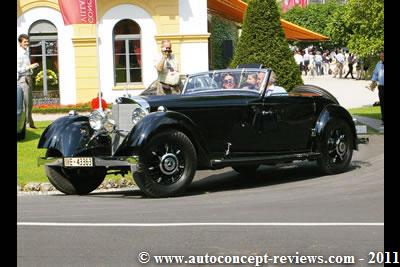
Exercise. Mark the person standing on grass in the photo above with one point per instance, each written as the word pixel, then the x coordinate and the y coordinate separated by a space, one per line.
pixel 24 73
pixel 378 77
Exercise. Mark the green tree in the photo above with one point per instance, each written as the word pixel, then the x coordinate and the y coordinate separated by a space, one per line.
pixel 337 29
pixel 365 19
pixel 263 41
pixel 326 19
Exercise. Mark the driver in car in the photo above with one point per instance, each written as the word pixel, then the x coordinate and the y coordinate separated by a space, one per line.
pixel 229 81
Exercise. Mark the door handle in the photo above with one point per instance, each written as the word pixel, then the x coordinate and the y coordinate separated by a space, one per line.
pixel 265 113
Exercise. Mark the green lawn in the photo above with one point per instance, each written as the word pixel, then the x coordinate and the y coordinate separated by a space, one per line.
pixel 27 154
pixel 371 112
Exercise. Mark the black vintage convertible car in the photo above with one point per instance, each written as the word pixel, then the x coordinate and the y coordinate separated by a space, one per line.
pixel 222 118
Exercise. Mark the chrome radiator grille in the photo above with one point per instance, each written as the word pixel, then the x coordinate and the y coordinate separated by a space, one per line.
pixel 122 115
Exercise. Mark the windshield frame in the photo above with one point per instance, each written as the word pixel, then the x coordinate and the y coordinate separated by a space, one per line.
pixel 239 72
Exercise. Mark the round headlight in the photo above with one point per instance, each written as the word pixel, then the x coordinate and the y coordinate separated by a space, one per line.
pixel 97 119
pixel 137 115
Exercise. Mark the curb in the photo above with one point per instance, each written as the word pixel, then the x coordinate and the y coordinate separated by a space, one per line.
pixel 36 188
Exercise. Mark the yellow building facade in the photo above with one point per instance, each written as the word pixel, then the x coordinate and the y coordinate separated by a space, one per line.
pixel 118 54
pixel 84 65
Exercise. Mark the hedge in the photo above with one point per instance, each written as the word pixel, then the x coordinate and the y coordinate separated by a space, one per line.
pixel 263 41
pixel 57 108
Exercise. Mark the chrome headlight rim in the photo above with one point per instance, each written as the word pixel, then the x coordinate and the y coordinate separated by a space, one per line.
pixel 138 114
pixel 97 119
pixel 100 120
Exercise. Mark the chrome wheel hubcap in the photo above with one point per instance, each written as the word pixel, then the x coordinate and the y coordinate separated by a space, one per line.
pixel 341 147
pixel 169 164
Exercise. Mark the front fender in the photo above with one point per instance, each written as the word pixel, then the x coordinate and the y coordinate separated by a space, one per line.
pixel 156 122
pixel 70 135
pixel 334 111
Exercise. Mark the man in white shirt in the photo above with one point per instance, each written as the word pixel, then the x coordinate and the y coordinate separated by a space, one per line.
pixel 167 68
pixel 24 72
pixel 299 60
pixel 339 64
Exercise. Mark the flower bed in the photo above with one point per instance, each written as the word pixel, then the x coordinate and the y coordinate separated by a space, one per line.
pixel 57 108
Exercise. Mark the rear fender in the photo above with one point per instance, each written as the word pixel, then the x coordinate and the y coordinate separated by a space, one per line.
pixel 70 135
pixel 156 122
pixel 329 112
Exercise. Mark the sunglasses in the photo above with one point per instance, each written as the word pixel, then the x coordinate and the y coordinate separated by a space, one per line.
pixel 228 81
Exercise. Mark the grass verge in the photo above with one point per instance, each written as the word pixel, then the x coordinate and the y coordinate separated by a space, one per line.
pixel 370 112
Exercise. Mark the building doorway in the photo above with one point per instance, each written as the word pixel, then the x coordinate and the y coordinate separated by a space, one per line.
pixel 43 49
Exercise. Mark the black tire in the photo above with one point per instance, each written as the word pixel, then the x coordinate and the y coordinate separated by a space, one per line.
pixel 336 147
pixel 167 165
pixel 309 88
pixel 246 169
pixel 21 135
pixel 75 181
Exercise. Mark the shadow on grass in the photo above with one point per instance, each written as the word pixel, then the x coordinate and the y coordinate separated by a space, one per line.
pixel 30 135
pixel 229 180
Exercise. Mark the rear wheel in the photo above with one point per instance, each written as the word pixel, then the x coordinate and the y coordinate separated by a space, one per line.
pixel 167 165
pixel 74 181
pixel 336 147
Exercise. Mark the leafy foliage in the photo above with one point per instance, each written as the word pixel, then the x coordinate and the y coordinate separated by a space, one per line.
pixel 366 19
pixel 221 30
pixel 337 29
pixel 323 19
pixel 357 25
pixel 51 78
pixel 263 41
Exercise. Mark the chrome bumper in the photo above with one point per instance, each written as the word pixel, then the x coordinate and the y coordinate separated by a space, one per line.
pixel 97 161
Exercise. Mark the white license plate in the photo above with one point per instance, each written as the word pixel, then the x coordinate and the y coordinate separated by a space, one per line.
pixel 78 162
pixel 361 129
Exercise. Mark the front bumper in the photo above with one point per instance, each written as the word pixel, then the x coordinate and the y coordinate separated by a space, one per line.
pixel 105 161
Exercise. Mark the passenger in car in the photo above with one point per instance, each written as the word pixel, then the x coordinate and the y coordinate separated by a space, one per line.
pixel 273 89
pixel 251 81
pixel 260 79
pixel 228 81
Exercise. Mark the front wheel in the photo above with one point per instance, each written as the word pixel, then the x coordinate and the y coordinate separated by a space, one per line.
pixel 167 165
pixel 336 147
pixel 74 181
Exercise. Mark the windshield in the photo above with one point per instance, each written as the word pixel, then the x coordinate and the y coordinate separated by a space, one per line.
pixel 231 79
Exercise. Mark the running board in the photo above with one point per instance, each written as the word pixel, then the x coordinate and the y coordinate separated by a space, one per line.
pixel 220 163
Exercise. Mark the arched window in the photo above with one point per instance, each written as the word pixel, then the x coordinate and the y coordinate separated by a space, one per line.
pixel 127 52
pixel 43 50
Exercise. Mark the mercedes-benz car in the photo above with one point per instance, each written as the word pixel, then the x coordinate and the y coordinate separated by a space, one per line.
pixel 163 140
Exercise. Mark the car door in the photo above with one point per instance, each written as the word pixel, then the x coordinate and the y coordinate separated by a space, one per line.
pixel 215 116
pixel 276 124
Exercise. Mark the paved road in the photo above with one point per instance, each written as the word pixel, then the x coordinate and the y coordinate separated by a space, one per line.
pixel 288 194
pixel 349 92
